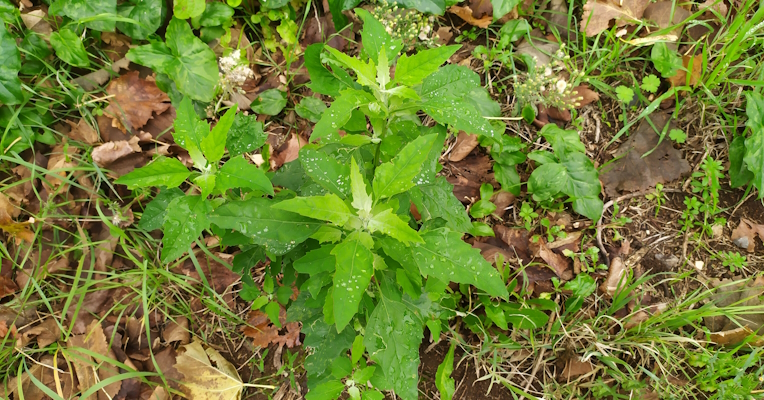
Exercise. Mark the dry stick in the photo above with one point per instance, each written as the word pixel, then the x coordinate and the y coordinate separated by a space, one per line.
pixel 610 204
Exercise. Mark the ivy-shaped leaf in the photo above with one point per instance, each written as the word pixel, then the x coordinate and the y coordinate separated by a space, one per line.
pixel 102 12
pixel 147 16
pixel 352 276
pixel 185 220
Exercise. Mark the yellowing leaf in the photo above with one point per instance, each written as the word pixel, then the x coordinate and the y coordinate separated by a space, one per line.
pixel 206 381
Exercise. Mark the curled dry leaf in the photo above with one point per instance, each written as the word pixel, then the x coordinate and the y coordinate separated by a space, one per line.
pixel 289 152
pixel 90 370
pixel 205 381
pixel 107 153
pixel 466 14
pixel 575 367
pixel 559 263
pixel 134 100
pixel 82 132
pixel 502 200
pixel 598 14
pixel 735 336
pixel 60 163
pixel 18 230
pixel 744 235
pixel 7 286
pixel 464 145
pixel 615 276
pixel 264 333
pixel 177 331
pixel 95 79
pixel 45 333
pixel 680 79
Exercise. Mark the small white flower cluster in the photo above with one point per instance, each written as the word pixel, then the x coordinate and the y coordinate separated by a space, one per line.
pixel 544 84
pixel 233 73
pixel 410 26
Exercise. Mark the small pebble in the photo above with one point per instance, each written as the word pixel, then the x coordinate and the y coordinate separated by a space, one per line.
pixel 699 265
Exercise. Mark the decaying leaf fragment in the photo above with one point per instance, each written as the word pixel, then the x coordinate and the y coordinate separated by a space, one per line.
pixel 744 294
pixel 134 100
pixel 466 12
pixel 598 14
pixel 91 370
pixel 205 381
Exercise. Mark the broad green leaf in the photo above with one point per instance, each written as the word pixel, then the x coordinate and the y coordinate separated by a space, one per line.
pixel 437 200
pixel 321 79
pixel 339 113
pixel 361 198
pixel 352 277
pixel 279 231
pixel 213 145
pixel 216 14
pixel 410 71
pixel 102 12
pixel 9 12
pixel 365 71
pixel 36 50
pixel 206 182
pixel 317 261
pixel 155 55
pixel 273 4
pixel 185 9
pixel 666 61
pixel 328 208
pixel 513 31
pixel 374 37
pixel 563 141
pixel 238 173
pixel 393 335
pixel 437 7
pixel 163 171
pixel 185 220
pixel 147 16
pixel 396 176
pixel 739 173
pixel 450 81
pixel 155 211
pixel 448 258
pixel 358 350
pixel 327 345
pixel 583 185
pixel 189 131
pixel 460 114
pixel 502 7
pixel 443 380
pixel 547 180
pixel 310 108
pixel 269 102
pixel 391 225
pixel 342 368
pixel 326 171
pixel 10 84
pixel 69 48
pixel 524 318
pixel 246 134
pixel 330 390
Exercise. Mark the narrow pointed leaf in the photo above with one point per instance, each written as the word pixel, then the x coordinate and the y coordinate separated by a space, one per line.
pixel 162 172
pixel 328 208
pixel 213 145
pixel 410 71
pixel 390 224
pixel 352 277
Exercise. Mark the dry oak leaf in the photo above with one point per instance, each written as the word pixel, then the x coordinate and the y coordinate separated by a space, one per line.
pixel 735 336
pixel 263 332
pixel 205 381
pixel 744 235
pixel 598 14
pixel 134 100
pixel 90 371
pixel 107 153
pixel 465 13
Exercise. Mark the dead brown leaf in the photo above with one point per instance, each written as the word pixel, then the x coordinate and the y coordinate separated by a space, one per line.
pixel 107 153
pixel 95 79
pixel 632 172
pixel 289 152
pixel 615 277
pixel 217 274
pixel 7 286
pixel 735 336
pixel 744 235
pixel 466 14
pixel 661 13
pixel 60 163
pixel 598 14
pixel 502 200
pixel 45 333
pixel 18 230
pixel 90 371
pixel 561 265
pixel 208 376
pixel 177 331
pixel 464 145
pixel 264 333
pixel 744 294
pixel 575 367
pixel 82 132
pixel 680 79
pixel 134 100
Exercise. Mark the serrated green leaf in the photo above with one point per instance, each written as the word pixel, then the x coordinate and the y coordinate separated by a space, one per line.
pixel 206 182
pixel 310 108
pixel 410 71
pixel 374 37
pixel 316 261
pixel 460 114
pixel 396 176
pixel 238 173
pixel 10 84
pixel 185 9
pixel 339 113
pixel 393 336
pixel 361 199
pixel 326 171
pixel 101 12
pixel 391 225
pixel 155 211
pixel 69 48
pixel 326 391
pixel 213 145
pixel 739 173
pixel 650 83
pixel 364 71
pixel 162 172
pixel 443 381
pixel 328 208
pixel 246 134
pixel 321 79
pixel 269 102
pixel 185 220
pixel 352 277
pixel 279 231
pixel 437 200
pixel 147 16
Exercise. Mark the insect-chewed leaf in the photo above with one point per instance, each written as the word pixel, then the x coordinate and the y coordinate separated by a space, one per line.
pixel 205 381
pixel 280 231
pixel 162 172
pixel 396 176
pixel 328 207
pixel 185 220
pixel 355 265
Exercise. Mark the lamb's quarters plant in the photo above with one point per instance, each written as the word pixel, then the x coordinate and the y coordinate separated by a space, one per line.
pixel 566 171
